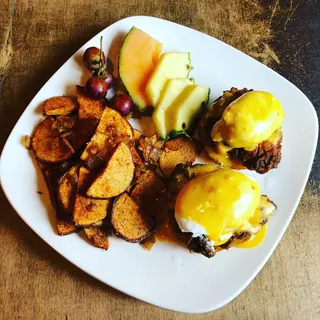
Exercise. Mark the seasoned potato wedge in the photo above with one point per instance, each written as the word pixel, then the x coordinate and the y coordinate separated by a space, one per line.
pixel 151 195
pixel 47 144
pixel 65 227
pixel 88 211
pixel 128 221
pixel 59 106
pixel 52 181
pixel 112 129
pixel 112 120
pixel 139 165
pixel 52 150
pixel 86 177
pixel 176 151
pixel 148 183
pixel 64 123
pixel 58 169
pixel 90 112
pixel 67 189
pixel 97 236
pixel 88 107
pixel 47 129
pixel 83 130
pixel 116 177
pixel 97 151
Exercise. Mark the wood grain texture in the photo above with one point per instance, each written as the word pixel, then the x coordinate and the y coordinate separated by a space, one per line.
pixel 36 37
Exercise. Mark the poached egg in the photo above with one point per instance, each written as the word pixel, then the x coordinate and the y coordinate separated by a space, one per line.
pixel 249 120
pixel 221 204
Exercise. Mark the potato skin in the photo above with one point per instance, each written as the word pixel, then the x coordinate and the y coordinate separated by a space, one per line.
pixel 111 130
pixel 89 114
pixel 65 227
pixel 151 195
pixel 47 144
pixel 128 221
pixel 52 175
pixel 59 106
pixel 67 188
pixel 180 150
pixel 139 165
pixel 97 236
pixel 88 211
pixel 115 177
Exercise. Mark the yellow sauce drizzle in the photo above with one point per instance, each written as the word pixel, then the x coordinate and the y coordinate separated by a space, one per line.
pixel 255 240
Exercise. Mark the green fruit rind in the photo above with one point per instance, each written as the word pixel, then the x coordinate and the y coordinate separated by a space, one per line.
pixel 119 64
pixel 142 106
pixel 169 95
pixel 184 112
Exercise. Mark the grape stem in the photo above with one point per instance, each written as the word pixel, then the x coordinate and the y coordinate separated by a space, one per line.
pixel 101 38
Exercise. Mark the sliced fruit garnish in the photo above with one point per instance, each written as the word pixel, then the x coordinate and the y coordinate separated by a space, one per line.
pixel 170 93
pixel 181 115
pixel 139 54
pixel 170 65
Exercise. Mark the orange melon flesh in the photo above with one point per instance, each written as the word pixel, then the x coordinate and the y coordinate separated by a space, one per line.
pixel 138 56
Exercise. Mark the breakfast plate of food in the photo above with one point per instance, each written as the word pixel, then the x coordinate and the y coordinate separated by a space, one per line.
pixel 162 162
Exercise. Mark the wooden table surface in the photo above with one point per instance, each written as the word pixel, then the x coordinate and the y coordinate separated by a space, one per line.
pixel 36 37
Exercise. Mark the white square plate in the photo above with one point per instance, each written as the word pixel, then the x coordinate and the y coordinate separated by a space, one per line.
pixel 169 276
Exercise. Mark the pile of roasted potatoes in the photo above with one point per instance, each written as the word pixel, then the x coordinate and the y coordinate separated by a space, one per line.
pixel 103 175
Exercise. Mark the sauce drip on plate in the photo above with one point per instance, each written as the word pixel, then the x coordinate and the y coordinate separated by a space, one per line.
pixel 165 234
pixel 255 240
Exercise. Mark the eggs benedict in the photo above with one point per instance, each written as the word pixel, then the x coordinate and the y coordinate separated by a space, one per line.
pixel 221 208
pixel 242 129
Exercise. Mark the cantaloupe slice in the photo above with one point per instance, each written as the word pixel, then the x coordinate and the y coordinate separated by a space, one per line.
pixel 138 56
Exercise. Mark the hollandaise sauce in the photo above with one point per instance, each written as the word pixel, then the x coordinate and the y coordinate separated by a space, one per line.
pixel 255 240
pixel 219 153
pixel 249 120
pixel 217 204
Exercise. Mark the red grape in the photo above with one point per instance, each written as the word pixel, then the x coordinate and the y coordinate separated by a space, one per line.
pixel 107 76
pixel 122 103
pixel 96 88
pixel 91 59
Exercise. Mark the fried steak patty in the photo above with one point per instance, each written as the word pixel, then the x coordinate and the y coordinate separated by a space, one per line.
pixel 264 157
